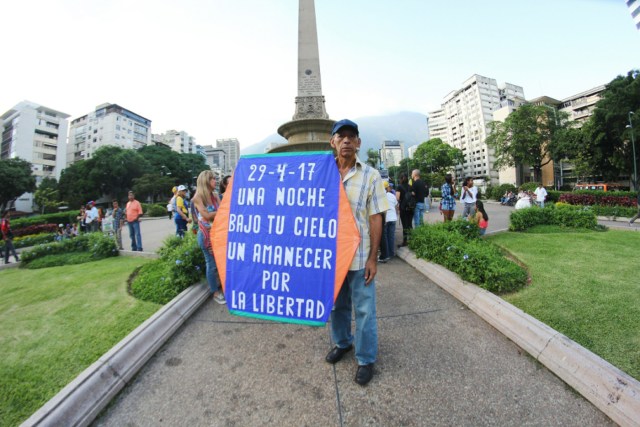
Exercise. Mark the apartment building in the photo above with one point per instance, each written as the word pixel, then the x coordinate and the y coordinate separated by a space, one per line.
pixel 37 134
pixel 216 159
pixel 467 112
pixel 581 105
pixel 109 124
pixel 437 125
pixel 232 147
pixel 179 141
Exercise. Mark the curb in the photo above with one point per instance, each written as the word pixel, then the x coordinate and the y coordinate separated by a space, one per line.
pixel 90 392
pixel 150 255
pixel 608 388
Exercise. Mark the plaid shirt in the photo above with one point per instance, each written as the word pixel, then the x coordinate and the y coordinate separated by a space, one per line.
pixel 448 199
pixel 367 197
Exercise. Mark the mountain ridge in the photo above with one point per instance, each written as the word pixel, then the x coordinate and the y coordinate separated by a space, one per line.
pixel 408 127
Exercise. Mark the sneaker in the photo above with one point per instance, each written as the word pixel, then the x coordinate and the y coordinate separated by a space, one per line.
pixel 219 298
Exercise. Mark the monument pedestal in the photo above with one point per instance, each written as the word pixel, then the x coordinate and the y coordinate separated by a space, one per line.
pixel 305 135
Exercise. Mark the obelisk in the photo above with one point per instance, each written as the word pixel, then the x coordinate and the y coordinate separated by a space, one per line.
pixel 310 129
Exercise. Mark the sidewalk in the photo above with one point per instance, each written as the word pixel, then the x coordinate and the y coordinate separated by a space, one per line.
pixel 439 364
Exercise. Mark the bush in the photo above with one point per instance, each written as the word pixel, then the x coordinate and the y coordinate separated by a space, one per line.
pixel 99 245
pixel 561 214
pixel 614 211
pixel 56 260
pixel 603 198
pixel 181 264
pixel 436 193
pixel 498 192
pixel 68 217
pixel 155 210
pixel 35 229
pixel 529 186
pixel 31 240
pixel 456 245
pixel 553 196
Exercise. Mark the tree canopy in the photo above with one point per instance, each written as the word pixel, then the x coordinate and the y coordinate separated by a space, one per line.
pixel 606 148
pixel 16 179
pixel 113 171
pixel 530 135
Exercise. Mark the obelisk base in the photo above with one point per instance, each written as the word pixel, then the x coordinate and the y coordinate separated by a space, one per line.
pixel 305 135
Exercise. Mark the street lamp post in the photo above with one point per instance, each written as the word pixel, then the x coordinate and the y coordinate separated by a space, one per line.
pixel 633 148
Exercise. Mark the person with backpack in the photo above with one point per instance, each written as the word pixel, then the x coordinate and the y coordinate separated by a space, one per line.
pixel 181 217
pixel 407 206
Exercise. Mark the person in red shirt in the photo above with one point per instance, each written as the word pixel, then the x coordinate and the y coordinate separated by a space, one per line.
pixel 134 212
pixel 7 236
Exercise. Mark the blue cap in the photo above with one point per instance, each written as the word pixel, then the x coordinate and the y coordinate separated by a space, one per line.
pixel 344 123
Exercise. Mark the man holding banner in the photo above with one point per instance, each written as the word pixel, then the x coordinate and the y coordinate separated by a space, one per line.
pixel 363 186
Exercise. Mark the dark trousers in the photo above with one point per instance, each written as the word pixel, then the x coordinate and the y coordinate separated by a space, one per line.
pixel 406 218
pixel 8 250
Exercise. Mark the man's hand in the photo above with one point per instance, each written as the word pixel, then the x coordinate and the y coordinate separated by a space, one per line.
pixel 370 270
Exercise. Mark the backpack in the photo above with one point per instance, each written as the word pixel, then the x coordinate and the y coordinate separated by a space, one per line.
pixel 408 202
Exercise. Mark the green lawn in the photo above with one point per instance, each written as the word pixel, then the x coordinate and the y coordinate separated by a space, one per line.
pixel 55 323
pixel 585 285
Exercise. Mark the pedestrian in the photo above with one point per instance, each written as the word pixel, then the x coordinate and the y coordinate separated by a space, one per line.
pixel 363 186
pixel 82 216
pixel 118 222
pixel 468 198
pixel 448 201
pixel 480 217
pixel 206 203
pixel 420 192
pixel 172 203
pixel 223 185
pixel 541 195
pixel 181 216
pixel 7 236
pixel 91 218
pixel 637 215
pixel 387 246
pixel 133 212
pixel 406 211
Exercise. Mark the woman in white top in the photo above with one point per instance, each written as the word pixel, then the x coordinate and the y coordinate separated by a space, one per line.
pixel 388 242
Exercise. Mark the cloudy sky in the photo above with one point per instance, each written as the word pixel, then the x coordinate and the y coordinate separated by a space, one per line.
pixel 227 68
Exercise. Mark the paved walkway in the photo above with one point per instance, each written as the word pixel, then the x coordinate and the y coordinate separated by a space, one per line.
pixel 439 364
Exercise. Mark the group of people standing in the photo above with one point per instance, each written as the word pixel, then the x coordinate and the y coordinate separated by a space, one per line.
pixel 200 211
pixel 91 219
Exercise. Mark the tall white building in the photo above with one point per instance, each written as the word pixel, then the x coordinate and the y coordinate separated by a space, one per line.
pixel 179 141
pixel 391 153
pixel 232 147
pixel 109 124
pixel 467 113
pixel 437 124
pixel 37 134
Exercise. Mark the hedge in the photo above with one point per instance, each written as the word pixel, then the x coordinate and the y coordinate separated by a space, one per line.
pixel 457 246
pixel 68 217
pixel 602 198
pixel 560 214
pixel 30 240
pixel 181 264
pixel 98 244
